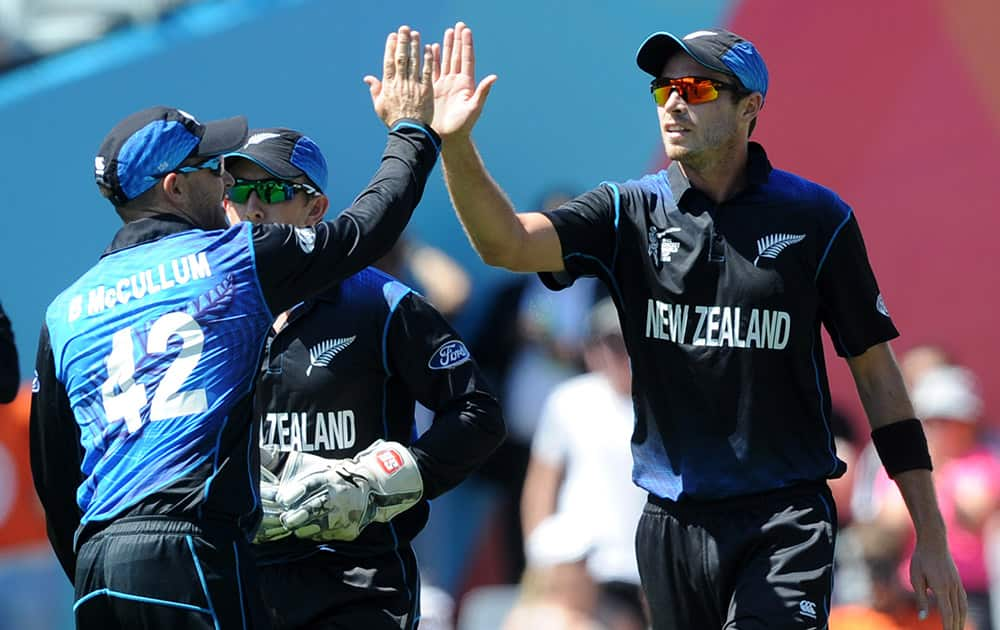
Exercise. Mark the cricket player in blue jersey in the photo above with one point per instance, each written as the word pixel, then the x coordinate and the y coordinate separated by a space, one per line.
pixel 143 445
pixel 724 269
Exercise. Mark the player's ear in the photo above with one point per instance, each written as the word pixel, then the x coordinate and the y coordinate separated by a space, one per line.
pixel 751 105
pixel 171 186
pixel 318 209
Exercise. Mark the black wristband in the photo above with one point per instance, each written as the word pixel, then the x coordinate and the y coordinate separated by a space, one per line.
pixel 902 446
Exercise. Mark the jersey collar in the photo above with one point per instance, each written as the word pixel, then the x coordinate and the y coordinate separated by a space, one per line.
pixel 146 230
pixel 758 170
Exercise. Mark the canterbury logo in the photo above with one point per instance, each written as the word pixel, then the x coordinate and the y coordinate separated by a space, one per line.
pixel 772 245
pixel 321 354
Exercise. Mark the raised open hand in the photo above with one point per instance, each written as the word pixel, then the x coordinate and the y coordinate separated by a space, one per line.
pixel 406 89
pixel 458 99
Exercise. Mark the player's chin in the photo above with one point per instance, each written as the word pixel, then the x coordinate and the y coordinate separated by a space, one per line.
pixel 676 152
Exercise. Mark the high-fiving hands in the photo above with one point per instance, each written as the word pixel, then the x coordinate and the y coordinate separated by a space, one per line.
pixel 405 90
pixel 458 99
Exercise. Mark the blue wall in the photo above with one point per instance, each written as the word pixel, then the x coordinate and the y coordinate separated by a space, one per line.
pixel 570 109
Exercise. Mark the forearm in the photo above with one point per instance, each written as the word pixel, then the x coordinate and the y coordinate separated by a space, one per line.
pixel 486 213
pixel 880 386
pixel 459 441
pixel 917 489
pixel 385 206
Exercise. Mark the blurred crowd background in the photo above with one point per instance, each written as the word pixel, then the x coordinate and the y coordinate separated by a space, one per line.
pixel 895 105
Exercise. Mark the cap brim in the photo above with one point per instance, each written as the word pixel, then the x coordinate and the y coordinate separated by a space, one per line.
pixel 659 47
pixel 272 162
pixel 222 136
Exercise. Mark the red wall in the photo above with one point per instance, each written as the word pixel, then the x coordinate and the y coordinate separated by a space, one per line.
pixel 896 106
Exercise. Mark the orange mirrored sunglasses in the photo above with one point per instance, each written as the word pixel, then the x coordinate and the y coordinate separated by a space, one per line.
pixel 694 90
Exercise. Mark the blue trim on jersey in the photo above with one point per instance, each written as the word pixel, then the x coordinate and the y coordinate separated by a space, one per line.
pixel 421 128
pixel 201 580
pixel 239 585
pixel 618 206
pixel 394 292
pixel 822 414
pixel 829 245
pixel 402 563
pixel 415 611
pixel 138 598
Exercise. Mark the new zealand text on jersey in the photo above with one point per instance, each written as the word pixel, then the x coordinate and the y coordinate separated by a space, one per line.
pixel 718 326
pixel 330 431
pixel 164 276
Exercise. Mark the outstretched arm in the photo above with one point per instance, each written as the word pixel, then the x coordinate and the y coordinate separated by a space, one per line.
pixel 502 237
pixel 880 386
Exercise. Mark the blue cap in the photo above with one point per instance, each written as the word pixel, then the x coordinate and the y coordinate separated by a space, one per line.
pixel 153 142
pixel 716 49
pixel 286 154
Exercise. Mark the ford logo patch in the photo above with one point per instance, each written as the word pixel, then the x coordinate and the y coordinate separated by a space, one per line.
pixel 449 355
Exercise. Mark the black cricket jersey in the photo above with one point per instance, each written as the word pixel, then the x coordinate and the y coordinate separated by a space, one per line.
pixel 347 369
pixel 146 364
pixel 721 306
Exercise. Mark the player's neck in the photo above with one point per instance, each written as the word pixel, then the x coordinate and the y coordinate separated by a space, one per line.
pixel 719 176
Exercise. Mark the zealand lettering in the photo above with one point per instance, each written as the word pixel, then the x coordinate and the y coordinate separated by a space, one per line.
pixel 294 431
pixel 719 326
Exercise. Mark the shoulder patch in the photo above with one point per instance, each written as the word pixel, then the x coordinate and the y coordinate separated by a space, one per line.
pixel 450 354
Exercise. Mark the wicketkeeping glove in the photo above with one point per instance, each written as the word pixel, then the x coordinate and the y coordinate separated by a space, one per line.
pixel 270 525
pixel 338 502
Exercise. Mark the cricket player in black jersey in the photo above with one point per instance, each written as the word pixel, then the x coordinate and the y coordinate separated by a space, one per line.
pixel 339 381
pixel 143 445
pixel 723 270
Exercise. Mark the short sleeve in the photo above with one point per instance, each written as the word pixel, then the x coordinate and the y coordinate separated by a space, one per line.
pixel 587 229
pixel 852 307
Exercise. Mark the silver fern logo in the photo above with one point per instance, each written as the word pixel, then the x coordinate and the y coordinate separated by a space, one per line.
pixel 772 245
pixel 322 353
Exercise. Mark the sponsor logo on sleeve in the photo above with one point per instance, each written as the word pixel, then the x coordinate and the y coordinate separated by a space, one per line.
pixel 450 354
pixel 35 386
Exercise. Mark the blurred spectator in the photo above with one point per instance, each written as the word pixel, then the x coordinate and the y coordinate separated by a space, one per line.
pixel 847 445
pixel 530 340
pixel 557 592
pixel 912 364
pixel 10 375
pixel 966 474
pixel 581 465
pixel 430 271
pixel 437 608
pixel 891 606
pixel 919 359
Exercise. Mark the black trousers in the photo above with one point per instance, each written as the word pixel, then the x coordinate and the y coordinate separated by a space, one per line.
pixel 748 563
pixel 161 573
pixel 331 591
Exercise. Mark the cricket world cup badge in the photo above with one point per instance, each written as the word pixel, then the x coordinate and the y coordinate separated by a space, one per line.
pixel 660 247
